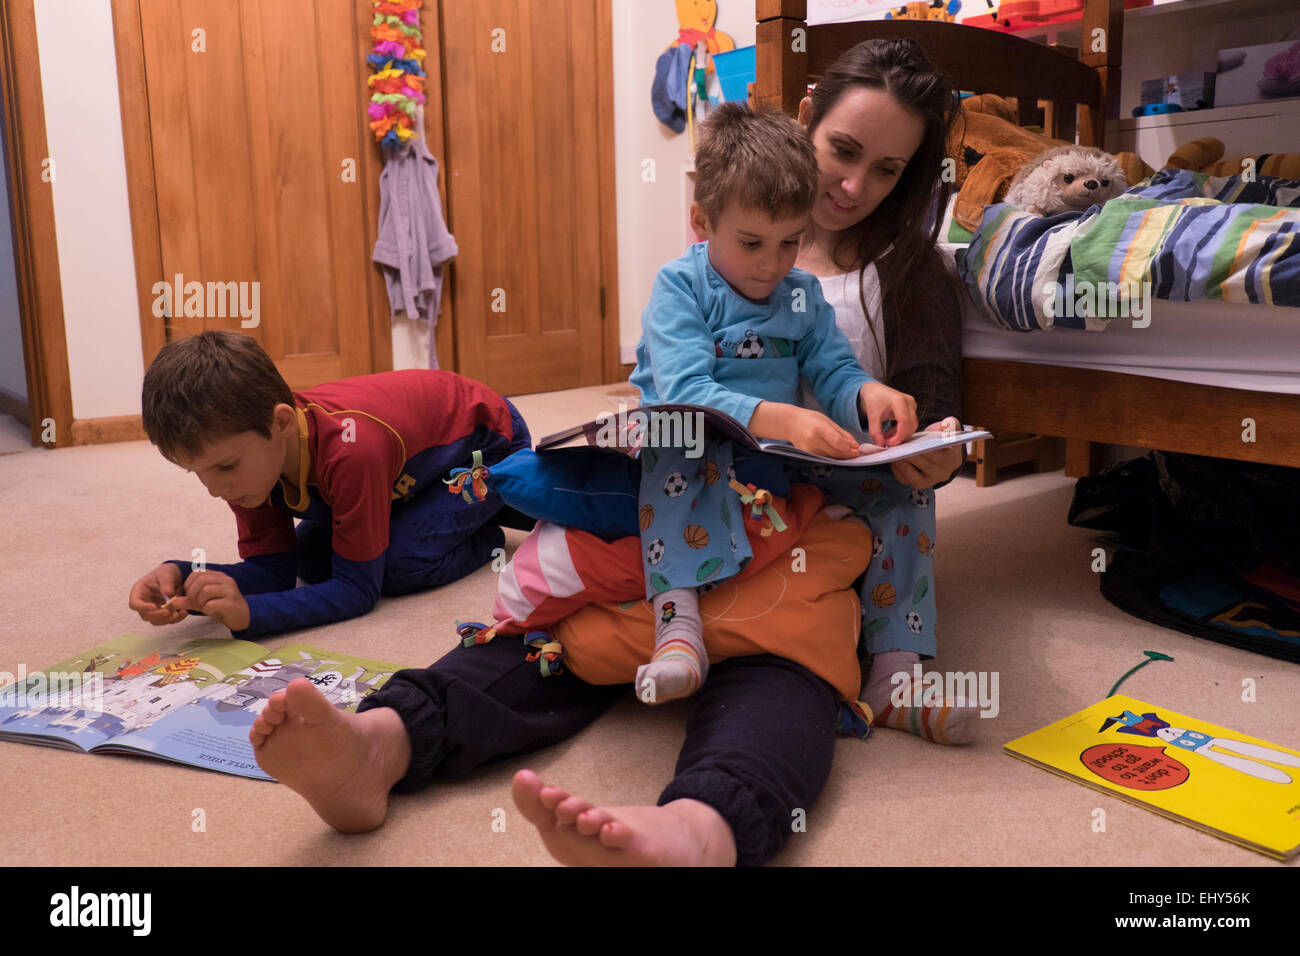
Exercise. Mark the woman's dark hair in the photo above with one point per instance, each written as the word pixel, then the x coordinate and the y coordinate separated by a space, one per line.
pixel 899 68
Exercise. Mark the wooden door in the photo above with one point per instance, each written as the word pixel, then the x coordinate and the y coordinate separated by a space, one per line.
pixel 524 190
pixel 263 171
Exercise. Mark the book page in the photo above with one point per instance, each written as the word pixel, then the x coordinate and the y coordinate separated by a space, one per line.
pixel 125 682
pixel 921 443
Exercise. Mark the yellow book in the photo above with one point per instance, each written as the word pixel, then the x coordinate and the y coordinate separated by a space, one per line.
pixel 1226 783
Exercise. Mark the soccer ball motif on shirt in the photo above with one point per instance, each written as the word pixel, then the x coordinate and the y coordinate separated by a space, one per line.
pixel 675 485
pixel 750 347
pixel 654 553
pixel 914 622
pixel 920 498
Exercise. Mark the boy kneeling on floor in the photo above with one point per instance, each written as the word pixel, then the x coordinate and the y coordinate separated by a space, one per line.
pixel 362 461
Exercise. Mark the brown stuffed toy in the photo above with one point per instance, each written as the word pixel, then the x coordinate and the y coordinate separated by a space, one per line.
pixel 988 150
pixel 1204 155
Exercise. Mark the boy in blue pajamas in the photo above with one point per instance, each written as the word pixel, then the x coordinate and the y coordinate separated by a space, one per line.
pixel 733 326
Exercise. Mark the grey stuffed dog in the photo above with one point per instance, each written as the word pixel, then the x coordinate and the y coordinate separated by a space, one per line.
pixel 1066 179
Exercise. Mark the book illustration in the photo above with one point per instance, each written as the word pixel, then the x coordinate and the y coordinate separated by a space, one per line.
pixel 192 703
pixel 641 430
pixel 1239 755
pixel 1224 782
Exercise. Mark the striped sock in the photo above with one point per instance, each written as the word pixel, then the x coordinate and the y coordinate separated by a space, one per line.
pixel 951 723
pixel 680 663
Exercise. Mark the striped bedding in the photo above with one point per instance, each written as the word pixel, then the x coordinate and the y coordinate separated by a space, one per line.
pixel 1177 235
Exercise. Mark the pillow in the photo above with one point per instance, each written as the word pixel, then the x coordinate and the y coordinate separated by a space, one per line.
pixel 589 488
pixel 558 570
pixel 806 613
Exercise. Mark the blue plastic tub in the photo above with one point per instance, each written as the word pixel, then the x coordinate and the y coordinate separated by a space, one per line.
pixel 736 70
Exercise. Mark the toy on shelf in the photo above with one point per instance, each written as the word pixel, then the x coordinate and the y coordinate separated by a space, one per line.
pixel 1015 16
pixel 946 10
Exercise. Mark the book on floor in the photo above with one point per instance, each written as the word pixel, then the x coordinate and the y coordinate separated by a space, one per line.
pixel 1229 784
pixel 677 426
pixel 191 702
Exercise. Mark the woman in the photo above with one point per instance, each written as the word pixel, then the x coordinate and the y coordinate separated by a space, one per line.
pixel 761 736
pixel 879 120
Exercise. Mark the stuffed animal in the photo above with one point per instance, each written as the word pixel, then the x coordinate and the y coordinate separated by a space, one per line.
pixel 1205 155
pixel 1067 179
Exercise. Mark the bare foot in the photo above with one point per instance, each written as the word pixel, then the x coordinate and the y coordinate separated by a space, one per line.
pixel 578 833
pixel 342 764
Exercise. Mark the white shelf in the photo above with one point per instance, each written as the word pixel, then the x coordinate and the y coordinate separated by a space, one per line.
pixel 1289 108
pixel 1197 13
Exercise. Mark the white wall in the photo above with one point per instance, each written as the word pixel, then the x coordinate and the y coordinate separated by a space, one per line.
pixel 92 224
pixel 13 377
pixel 651 215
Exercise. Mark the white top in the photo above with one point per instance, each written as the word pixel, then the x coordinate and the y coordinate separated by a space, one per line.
pixel 841 293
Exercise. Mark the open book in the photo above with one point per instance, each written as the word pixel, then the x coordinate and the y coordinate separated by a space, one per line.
pixel 684 426
pixel 191 702
pixel 1231 785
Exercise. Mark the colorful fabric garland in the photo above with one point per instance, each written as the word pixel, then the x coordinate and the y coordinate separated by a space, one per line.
pixel 398 86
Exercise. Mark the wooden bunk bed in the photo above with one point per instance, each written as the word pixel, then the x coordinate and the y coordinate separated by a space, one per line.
pixel 1086 407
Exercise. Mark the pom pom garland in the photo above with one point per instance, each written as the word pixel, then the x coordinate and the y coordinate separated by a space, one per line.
pixel 397 88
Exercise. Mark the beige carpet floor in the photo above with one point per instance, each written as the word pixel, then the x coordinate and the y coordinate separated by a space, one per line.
pixel 1015 591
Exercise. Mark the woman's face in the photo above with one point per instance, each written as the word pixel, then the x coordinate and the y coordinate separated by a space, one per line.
pixel 863 144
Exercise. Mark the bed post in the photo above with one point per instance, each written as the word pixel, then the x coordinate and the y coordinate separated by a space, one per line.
pixel 781 54
pixel 1101 47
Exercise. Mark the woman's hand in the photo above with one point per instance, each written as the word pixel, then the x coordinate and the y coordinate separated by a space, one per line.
pixel 925 471
pixel 879 404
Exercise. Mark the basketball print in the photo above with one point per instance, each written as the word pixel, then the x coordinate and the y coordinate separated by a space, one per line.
pixel 696 536
pixel 647 516
pixel 882 595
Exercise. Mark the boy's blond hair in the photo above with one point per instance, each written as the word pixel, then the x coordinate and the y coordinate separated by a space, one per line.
pixel 761 159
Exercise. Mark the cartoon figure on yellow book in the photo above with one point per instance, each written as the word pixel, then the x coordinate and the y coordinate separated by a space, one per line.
pixel 1237 755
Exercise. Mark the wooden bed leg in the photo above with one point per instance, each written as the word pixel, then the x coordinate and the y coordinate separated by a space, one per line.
pixel 994 454
pixel 1082 457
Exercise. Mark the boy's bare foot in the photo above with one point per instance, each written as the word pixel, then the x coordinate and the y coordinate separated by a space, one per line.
pixel 342 764
pixel 578 833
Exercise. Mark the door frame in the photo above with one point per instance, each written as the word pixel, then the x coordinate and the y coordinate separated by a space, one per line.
pixel 615 370
pixel 146 238
pixel 36 248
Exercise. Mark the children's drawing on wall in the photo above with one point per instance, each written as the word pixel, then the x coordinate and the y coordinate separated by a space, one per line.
pixel 685 80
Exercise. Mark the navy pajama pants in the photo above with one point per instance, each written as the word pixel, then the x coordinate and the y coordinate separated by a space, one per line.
pixel 433 539
pixel 758 749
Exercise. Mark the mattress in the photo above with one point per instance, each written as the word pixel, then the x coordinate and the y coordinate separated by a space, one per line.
pixel 1245 346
